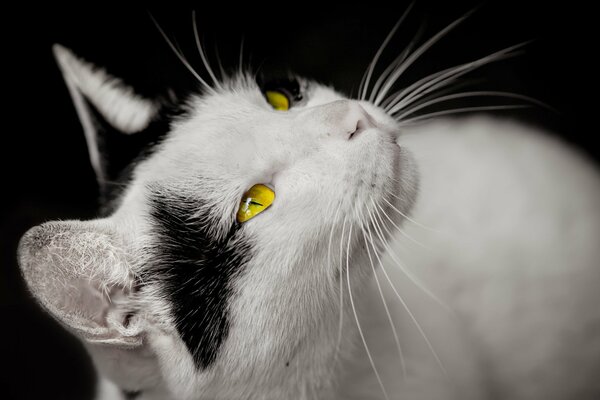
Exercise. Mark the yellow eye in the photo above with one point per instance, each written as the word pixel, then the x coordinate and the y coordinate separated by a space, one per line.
pixel 278 100
pixel 255 201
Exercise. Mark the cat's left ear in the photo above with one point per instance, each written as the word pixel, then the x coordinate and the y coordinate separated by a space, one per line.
pixel 117 122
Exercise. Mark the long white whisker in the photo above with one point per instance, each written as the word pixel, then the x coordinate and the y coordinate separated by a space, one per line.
pixel 406 216
pixel 465 95
pixel 201 51
pixel 341 287
pixel 360 331
pixel 443 78
pixel 220 64
pixel 414 56
pixel 333 226
pixel 447 86
pixel 361 86
pixel 414 279
pixel 365 88
pixel 385 306
pixel 341 243
pixel 378 207
pixel 412 317
pixel 460 111
pixel 388 70
pixel 415 241
pixel 396 227
pixel 241 62
pixel 181 57
pixel 393 65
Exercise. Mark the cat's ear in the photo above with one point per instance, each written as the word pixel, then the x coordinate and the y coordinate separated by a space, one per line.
pixel 116 121
pixel 80 272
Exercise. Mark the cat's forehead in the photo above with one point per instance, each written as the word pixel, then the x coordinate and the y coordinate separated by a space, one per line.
pixel 234 132
pixel 244 92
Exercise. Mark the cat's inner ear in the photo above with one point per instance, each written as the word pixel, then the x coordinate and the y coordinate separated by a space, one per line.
pixel 79 271
pixel 116 121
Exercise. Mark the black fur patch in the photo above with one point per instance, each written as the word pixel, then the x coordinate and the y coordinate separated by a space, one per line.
pixel 120 153
pixel 131 394
pixel 195 271
pixel 287 85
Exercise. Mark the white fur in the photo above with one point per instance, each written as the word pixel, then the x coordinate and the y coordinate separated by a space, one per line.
pixel 126 110
pixel 525 263
pixel 117 102
pixel 106 389
pixel 511 248
pixel 295 318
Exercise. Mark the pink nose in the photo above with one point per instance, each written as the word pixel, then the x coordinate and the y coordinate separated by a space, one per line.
pixel 354 120
pixel 342 118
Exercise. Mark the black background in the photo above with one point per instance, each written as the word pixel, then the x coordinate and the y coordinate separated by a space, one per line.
pixel 46 174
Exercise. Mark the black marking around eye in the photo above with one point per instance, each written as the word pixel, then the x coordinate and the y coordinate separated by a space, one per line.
pixel 287 85
pixel 131 394
pixel 195 271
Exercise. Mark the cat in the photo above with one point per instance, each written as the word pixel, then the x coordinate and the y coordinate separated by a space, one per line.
pixel 244 252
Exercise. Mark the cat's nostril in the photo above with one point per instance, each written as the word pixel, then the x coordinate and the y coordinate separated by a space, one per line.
pixel 360 126
pixel 358 120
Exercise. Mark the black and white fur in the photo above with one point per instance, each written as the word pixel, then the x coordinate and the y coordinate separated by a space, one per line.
pixel 174 299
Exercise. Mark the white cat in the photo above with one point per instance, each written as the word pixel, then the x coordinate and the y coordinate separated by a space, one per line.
pixel 248 254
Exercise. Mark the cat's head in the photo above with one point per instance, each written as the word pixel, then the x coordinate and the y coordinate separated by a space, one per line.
pixel 177 290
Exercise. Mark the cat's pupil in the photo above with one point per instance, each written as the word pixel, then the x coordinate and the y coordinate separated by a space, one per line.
pixel 290 87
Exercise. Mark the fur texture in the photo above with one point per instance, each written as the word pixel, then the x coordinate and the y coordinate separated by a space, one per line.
pixel 495 225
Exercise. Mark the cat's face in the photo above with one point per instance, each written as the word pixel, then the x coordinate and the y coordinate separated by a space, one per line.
pixel 172 292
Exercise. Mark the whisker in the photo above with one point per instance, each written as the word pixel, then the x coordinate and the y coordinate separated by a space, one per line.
pixel 415 55
pixel 412 317
pixel 388 70
pixel 115 183
pixel 360 331
pixel 406 216
pixel 333 226
pixel 241 61
pixel 378 207
pixel 415 241
pixel 460 111
pixel 220 64
pixel 361 86
pixel 466 95
pixel 443 78
pixel 414 279
pixel 201 51
pixel 385 306
pixel 363 89
pixel 448 86
pixel 341 287
pixel 181 57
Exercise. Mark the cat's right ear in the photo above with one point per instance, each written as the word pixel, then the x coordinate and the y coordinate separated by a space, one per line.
pixel 80 271
pixel 117 122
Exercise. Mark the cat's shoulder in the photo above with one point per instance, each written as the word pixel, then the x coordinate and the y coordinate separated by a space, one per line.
pixel 506 152
pixel 502 185
pixel 509 216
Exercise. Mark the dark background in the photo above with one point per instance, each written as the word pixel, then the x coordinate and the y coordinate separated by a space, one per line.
pixel 46 174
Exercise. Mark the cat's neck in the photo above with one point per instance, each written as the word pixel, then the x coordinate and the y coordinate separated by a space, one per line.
pixel 318 343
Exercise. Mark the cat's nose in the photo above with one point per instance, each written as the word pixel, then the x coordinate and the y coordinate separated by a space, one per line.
pixel 353 119
pixel 341 118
